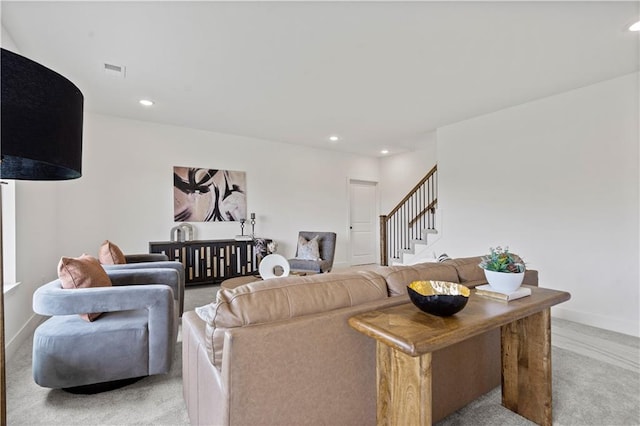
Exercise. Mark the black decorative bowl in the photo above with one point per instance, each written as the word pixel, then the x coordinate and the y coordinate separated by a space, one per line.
pixel 438 297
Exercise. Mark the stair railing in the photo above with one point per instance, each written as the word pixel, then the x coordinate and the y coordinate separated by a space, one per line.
pixel 406 222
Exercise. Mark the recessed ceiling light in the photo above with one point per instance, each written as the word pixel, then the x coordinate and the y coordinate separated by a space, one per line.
pixel 334 138
pixel 635 27
pixel 146 102
pixel 384 151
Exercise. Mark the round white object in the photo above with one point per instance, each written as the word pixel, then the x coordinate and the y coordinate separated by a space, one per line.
pixel 269 263
pixel 505 282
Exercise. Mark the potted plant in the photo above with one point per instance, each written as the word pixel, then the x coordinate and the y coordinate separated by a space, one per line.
pixel 503 270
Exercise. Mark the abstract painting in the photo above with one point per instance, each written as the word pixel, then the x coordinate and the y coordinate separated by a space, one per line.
pixel 208 195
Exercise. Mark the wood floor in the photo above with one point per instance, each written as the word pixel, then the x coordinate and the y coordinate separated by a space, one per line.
pixel 614 348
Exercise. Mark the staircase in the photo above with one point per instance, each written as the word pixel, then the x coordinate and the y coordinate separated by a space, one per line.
pixel 404 232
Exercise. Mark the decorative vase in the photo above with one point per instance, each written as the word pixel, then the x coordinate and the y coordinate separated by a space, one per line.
pixel 505 282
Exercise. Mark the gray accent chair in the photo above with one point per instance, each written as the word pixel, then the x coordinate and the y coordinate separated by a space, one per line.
pixel 327 245
pixel 134 337
pixel 153 260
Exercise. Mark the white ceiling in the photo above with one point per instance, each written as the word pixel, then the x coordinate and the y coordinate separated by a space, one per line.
pixel 379 74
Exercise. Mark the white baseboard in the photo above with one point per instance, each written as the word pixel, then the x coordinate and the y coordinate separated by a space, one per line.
pixel 23 335
pixel 600 321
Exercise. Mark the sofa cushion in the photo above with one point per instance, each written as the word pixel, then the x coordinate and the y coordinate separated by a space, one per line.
pixel 83 272
pixel 280 299
pixel 467 268
pixel 398 277
pixel 110 254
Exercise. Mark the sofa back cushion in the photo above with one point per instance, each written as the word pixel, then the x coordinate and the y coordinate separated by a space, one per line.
pixel 399 277
pixel 280 299
pixel 471 275
pixel 467 268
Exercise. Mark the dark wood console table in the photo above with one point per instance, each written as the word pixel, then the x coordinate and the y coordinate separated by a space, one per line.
pixel 210 261
pixel 406 337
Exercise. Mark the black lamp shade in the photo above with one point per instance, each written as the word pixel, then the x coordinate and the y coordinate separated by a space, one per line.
pixel 41 115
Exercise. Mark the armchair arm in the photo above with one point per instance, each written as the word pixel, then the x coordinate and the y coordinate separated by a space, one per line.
pixel 52 299
pixel 177 266
pixel 310 265
pixel 145 276
pixel 145 257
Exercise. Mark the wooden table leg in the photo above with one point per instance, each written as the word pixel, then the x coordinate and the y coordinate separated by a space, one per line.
pixel 526 367
pixel 404 387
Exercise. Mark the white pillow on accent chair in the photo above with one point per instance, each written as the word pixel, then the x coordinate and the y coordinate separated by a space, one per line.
pixel 308 249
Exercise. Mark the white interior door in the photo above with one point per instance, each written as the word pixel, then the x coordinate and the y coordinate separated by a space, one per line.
pixel 362 211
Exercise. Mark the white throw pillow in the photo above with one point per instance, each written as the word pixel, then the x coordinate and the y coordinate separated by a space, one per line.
pixel 308 249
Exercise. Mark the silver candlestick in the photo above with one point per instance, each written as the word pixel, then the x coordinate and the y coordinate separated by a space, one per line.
pixel 253 225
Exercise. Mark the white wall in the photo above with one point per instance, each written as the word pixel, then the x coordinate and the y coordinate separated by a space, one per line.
pixel 556 180
pixel 401 172
pixel 36 256
pixel 126 192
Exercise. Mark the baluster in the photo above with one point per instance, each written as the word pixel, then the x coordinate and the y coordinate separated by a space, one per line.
pixel 395 234
pixel 398 214
pixel 419 221
pixel 411 216
pixel 435 179
pixel 402 228
pixel 398 231
pixel 435 196
pixel 425 190
pixel 408 218
pixel 393 240
pixel 422 203
pixel 405 226
pixel 390 238
pixel 407 236
pixel 430 199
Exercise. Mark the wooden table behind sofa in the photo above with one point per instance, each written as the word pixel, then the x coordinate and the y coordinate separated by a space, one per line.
pixel 406 337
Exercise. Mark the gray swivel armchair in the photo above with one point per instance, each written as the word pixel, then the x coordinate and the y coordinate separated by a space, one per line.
pixel 327 249
pixel 134 337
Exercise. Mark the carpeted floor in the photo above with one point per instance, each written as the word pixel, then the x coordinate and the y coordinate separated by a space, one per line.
pixel 586 391
pixel 154 400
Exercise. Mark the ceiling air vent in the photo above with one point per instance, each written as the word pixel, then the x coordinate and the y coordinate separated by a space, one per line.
pixel 114 70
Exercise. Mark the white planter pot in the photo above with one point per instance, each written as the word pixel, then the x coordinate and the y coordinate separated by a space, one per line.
pixel 505 282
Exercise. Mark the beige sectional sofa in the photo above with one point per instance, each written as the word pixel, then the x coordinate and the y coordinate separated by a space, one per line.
pixel 280 352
